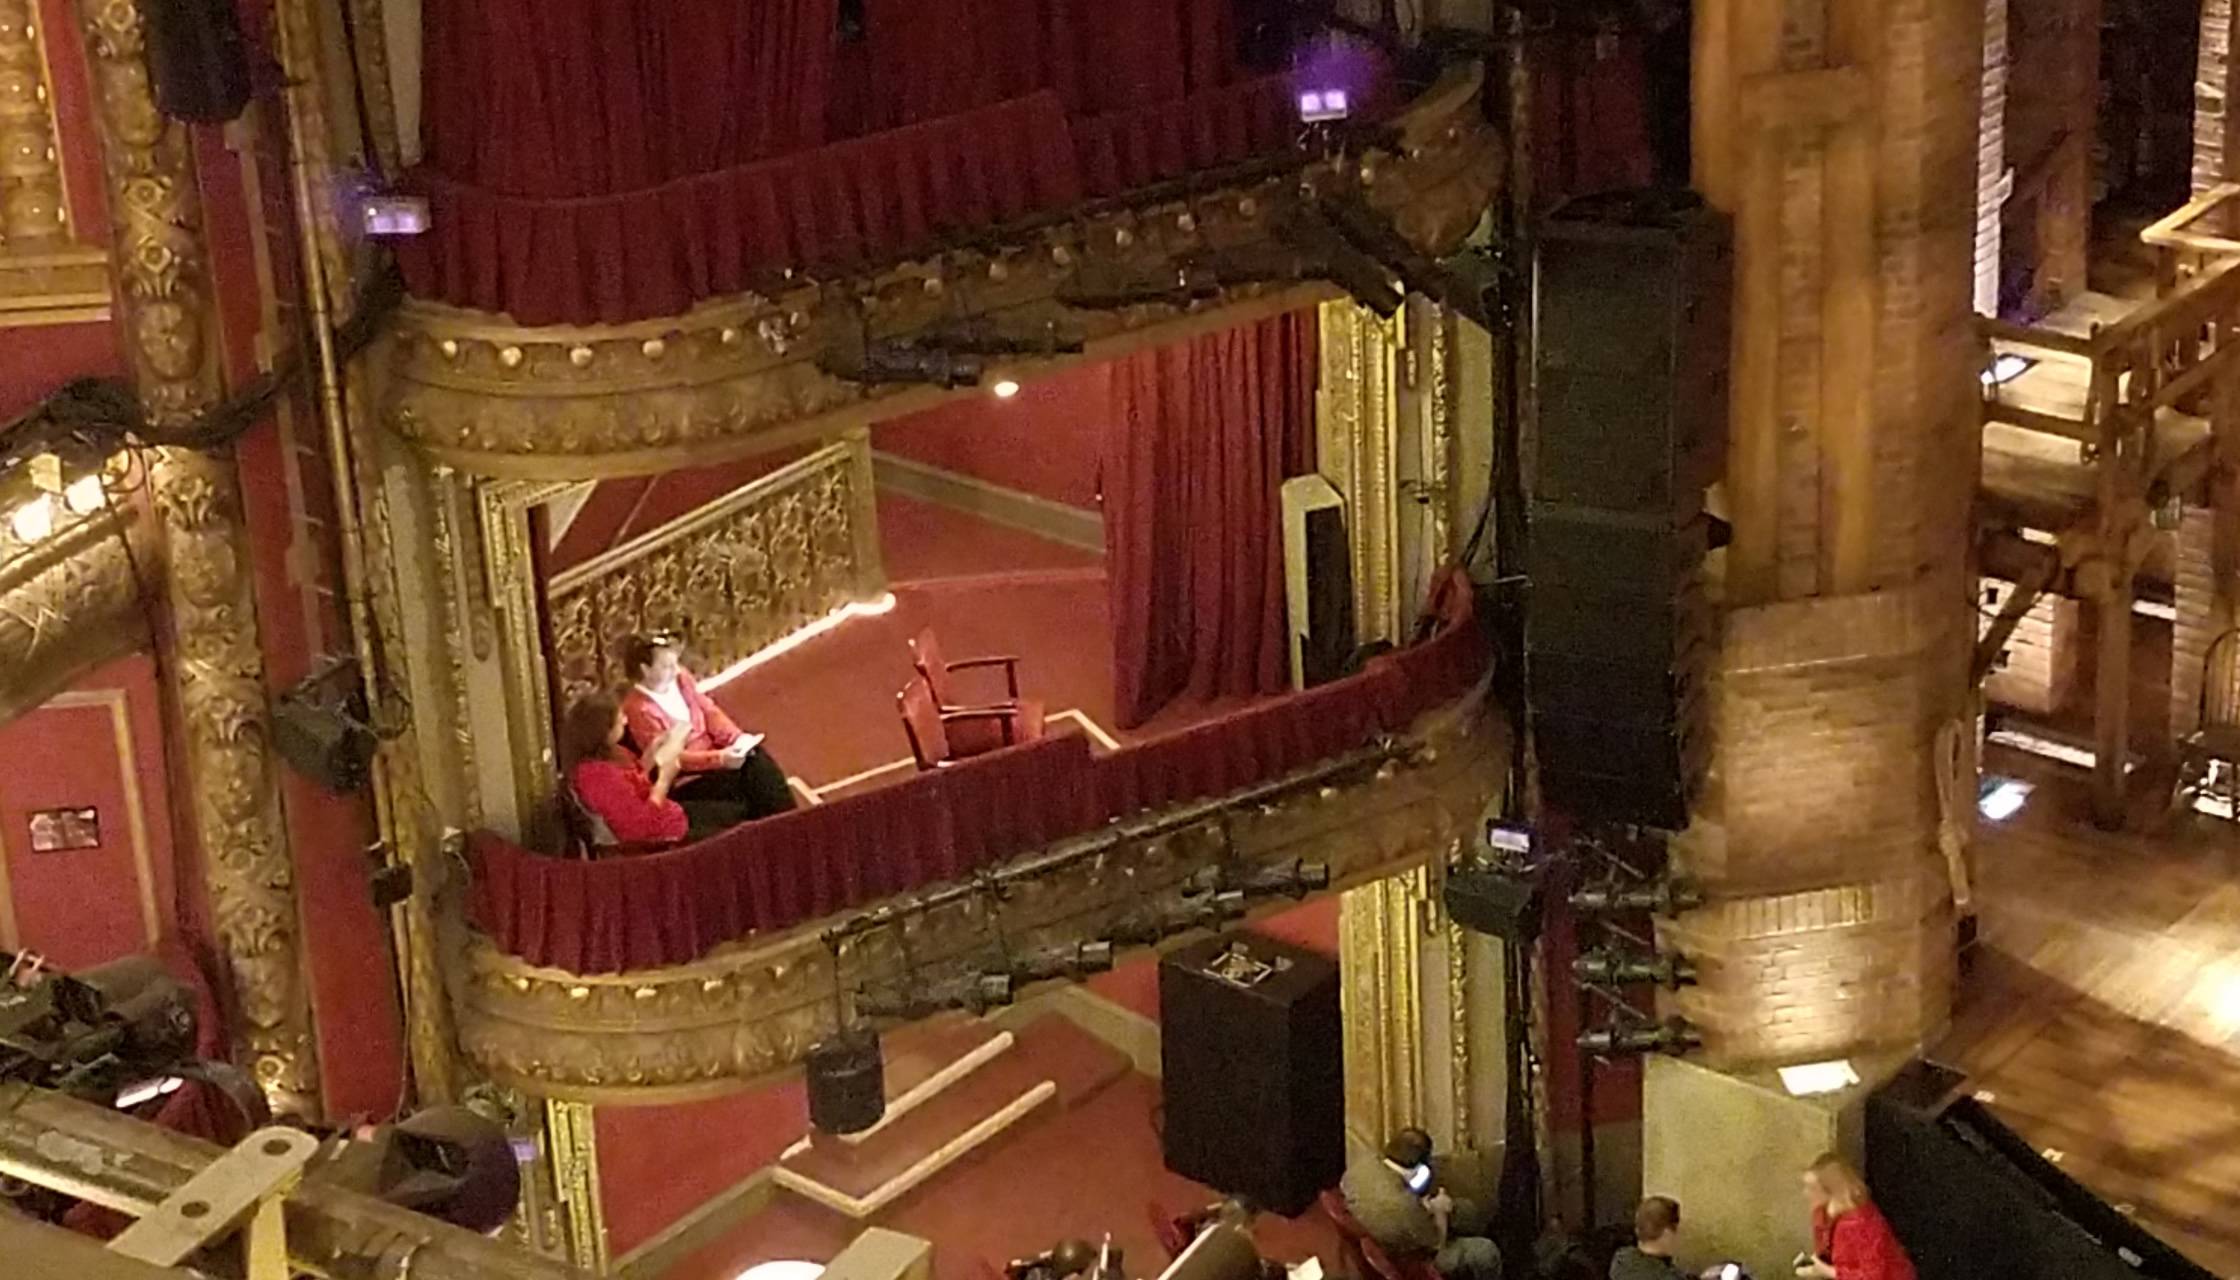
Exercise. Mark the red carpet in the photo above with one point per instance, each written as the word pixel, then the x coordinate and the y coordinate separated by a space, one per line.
pixel 1074 1173
pixel 828 706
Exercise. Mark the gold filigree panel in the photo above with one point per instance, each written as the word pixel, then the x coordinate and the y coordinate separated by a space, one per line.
pixel 733 577
pixel 1381 927
pixel 1357 433
pixel 756 1008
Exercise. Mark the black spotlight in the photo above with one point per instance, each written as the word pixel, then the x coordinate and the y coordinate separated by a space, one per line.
pixel 847 1083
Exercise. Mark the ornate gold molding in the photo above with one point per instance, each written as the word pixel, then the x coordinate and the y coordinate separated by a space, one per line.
pixel 508 583
pixel 732 577
pixel 571 1148
pixel 69 601
pixel 217 668
pixel 1357 432
pixel 1381 927
pixel 34 216
pixel 739 375
pixel 747 1011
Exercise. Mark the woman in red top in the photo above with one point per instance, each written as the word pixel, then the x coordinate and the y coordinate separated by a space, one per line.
pixel 626 804
pixel 725 773
pixel 1851 1240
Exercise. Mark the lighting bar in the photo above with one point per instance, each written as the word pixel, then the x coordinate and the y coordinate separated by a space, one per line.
pixel 845 613
pixel 395 215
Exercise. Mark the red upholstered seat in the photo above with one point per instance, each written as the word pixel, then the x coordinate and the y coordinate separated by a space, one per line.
pixel 969 737
pixel 1362 1255
pixel 933 732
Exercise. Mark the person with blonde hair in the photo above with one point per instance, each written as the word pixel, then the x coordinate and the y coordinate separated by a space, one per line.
pixel 1851 1240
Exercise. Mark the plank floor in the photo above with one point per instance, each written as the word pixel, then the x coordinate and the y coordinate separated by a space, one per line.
pixel 2102 1015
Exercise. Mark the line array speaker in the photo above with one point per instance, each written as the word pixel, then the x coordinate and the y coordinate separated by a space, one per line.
pixel 1631 309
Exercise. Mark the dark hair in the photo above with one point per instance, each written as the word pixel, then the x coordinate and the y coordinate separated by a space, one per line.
pixel 583 732
pixel 1408 1148
pixel 637 653
pixel 1656 1216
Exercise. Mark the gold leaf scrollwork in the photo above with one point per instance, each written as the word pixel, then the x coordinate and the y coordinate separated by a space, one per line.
pixel 733 577
pixel 163 287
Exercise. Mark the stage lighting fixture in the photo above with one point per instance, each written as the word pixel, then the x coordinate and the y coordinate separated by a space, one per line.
pixel 1810 1079
pixel 975 992
pixel 1293 878
pixel 1673 1035
pixel 394 215
pixel 1999 799
pixel 2006 367
pixel 33 520
pixel 1166 918
pixel 1612 967
pixel 1320 106
pixel 1509 839
pixel 1663 898
pixel 1005 388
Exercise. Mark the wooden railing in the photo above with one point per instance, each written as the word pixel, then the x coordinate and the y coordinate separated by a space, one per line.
pixel 732 577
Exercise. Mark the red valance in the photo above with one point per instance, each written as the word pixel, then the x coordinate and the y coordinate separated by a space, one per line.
pixel 669 908
pixel 1148 144
pixel 611 259
pixel 590 97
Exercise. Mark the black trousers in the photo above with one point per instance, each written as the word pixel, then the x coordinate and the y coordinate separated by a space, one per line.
pixel 722 798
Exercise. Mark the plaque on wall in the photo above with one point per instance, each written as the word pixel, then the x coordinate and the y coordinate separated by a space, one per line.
pixel 60 830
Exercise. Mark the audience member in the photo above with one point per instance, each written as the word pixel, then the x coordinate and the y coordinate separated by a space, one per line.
pixel 725 776
pixel 1851 1240
pixel 625 799
pixel 1656 1237
pixel 1395 1198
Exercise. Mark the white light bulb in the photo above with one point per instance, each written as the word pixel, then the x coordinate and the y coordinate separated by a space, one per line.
pixel 84 495
pixel 33 520
pixel 1005 388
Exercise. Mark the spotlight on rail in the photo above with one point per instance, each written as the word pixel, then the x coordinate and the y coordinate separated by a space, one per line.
pixel 975 992
pixel 1321 106
pixel 1294 878
pixel 1615 968
pixel 1673 1035
pixel 1663 898
pixel 394 215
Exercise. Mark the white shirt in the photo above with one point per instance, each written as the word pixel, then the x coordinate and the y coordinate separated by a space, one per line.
pixel 671 701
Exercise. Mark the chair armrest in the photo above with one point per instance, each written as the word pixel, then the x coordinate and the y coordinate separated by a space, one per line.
pixel 1009 663
pixel 1006 719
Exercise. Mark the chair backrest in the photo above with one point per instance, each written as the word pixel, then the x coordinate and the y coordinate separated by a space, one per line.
pixel 925 653
pixel 1350 1256
pixel 921 720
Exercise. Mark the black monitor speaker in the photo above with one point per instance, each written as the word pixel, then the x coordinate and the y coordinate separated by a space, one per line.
pixel 1489 900
pixel 847 1081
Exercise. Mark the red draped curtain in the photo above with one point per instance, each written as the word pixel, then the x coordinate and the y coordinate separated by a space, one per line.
pixel 928 58
pixel 1207 431
pixel 591 97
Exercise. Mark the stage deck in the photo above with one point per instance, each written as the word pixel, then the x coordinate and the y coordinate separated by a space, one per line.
pixel 2102 1015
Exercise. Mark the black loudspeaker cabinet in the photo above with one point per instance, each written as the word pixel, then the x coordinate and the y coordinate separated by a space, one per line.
pixel 1327 647
pixel 1973 1200
pixel 1491 901
pixel 847 1083
pixel 197 59
pixel 1632 299
pixel 1253 1077
pixel 1631 309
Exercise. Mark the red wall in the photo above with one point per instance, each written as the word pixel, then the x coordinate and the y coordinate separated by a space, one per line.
pixel 1046 440
pixel 98 744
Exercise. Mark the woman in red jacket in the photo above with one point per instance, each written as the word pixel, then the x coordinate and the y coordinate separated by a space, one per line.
pixel 726 773
pixel 626 799
pixel 1851 1240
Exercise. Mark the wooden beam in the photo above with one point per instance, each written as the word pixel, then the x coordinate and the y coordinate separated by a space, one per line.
pixel 2023 335
pixel 1994 639
pixel 1822 98
pixel 2052 424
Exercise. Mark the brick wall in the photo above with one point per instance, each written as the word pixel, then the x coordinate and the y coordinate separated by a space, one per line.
pixel 1991 156
pixel 2198 622
pixel 2041 668
pixel 2212 93
pixel 1829 926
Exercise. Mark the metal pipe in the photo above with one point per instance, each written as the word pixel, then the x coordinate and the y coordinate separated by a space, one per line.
pixel 316 240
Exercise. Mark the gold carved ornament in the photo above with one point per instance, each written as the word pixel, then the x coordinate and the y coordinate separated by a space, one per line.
pixel 217 668
pixel 732 577
pixel 755 1007
pixel 46 277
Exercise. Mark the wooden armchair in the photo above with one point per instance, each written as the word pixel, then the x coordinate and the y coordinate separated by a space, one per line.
pixel 933 740
pixel 1023 718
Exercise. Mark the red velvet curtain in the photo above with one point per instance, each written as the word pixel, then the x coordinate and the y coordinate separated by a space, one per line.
pixel 930 58
pixel 592 97
pixel 1207 431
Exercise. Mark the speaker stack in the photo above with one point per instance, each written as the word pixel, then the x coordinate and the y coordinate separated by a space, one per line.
pixel 1631 302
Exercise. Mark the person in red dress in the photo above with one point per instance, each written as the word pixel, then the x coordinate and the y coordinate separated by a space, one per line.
pixel 626 799
pixel 725 776
pixel 1851 1240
